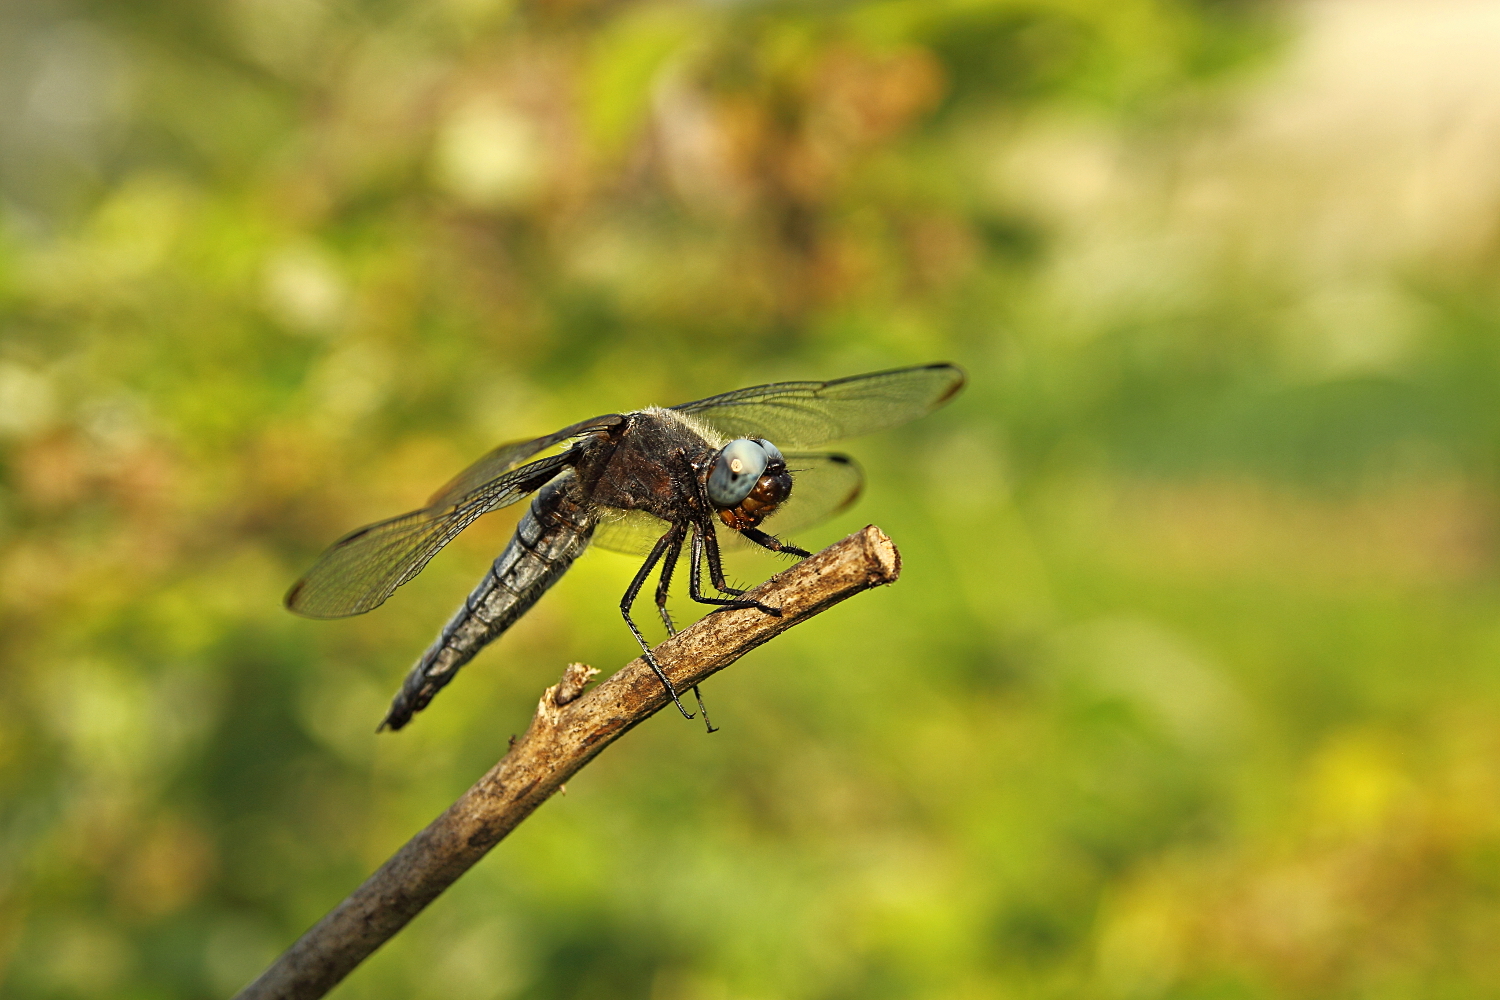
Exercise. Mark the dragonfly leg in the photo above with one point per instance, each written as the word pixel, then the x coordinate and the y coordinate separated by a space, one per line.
pixel 715 567
pixel 716 571
pixel 704 709
pixel 773 543
pixel 669 562
pixel 634 591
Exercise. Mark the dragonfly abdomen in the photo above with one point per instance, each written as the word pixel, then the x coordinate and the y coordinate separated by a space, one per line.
pixel 552 534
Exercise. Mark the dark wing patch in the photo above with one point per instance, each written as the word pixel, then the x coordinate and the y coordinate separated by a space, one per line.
pixel 507 456
pixel 359 571
pixel 806 414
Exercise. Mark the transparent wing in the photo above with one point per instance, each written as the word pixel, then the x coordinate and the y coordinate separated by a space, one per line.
pixel 807 414
pixel 632 532
pixel 359 571
pixel 822 486
pixel 507 456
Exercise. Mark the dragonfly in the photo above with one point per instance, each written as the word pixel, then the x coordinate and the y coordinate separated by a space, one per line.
pixel 655 482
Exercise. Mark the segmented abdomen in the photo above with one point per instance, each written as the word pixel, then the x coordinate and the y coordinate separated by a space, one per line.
pixel 554 532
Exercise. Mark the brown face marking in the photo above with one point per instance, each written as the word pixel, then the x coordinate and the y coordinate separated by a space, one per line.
pixel 771 491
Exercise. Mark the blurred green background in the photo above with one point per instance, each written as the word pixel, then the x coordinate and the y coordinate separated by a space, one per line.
pixel 1188 689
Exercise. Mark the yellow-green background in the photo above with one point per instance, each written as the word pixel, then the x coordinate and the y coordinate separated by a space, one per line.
pixel 1188 689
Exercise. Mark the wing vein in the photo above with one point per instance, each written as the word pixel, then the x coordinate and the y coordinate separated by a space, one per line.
pixel 362 569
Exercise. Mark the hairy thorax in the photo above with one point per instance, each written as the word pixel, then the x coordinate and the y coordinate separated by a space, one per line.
pixel 652 465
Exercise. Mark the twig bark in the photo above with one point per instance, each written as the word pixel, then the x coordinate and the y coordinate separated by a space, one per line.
pixel 569 729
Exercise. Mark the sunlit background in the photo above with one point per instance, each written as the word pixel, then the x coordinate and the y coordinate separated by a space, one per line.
pixel 1189 688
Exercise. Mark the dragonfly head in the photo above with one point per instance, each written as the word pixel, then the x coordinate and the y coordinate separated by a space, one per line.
pixel 748 481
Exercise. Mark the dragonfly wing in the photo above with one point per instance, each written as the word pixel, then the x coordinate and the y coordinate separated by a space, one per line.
pixel 359 571
pixel 807 414
pixel 632 532
pixel 822 485
pixel 511 454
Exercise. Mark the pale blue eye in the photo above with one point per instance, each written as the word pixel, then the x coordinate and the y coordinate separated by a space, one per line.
pixel 773 453
pixel 736 470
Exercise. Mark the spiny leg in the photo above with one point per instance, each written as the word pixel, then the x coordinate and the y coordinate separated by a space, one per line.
pixel 695 581
pixel 706 538
pixel 715 568
pixel 773 543
pixel 704 709
pixel 662 544
pixel 669 562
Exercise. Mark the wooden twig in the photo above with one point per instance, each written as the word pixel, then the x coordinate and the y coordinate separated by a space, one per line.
pixel 569 729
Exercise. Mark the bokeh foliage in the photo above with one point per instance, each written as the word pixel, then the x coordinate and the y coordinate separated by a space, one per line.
pixel 1187 690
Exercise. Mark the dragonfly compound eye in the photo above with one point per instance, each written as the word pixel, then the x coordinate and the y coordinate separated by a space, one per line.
pixel 736 470
pixel 774 459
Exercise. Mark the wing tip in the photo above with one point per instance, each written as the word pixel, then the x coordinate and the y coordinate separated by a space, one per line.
pixel 289 601
pixel 956 387
pixel 298 603
pixel 858 489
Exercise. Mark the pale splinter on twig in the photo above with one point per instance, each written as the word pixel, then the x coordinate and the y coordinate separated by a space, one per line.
pixel 569 729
